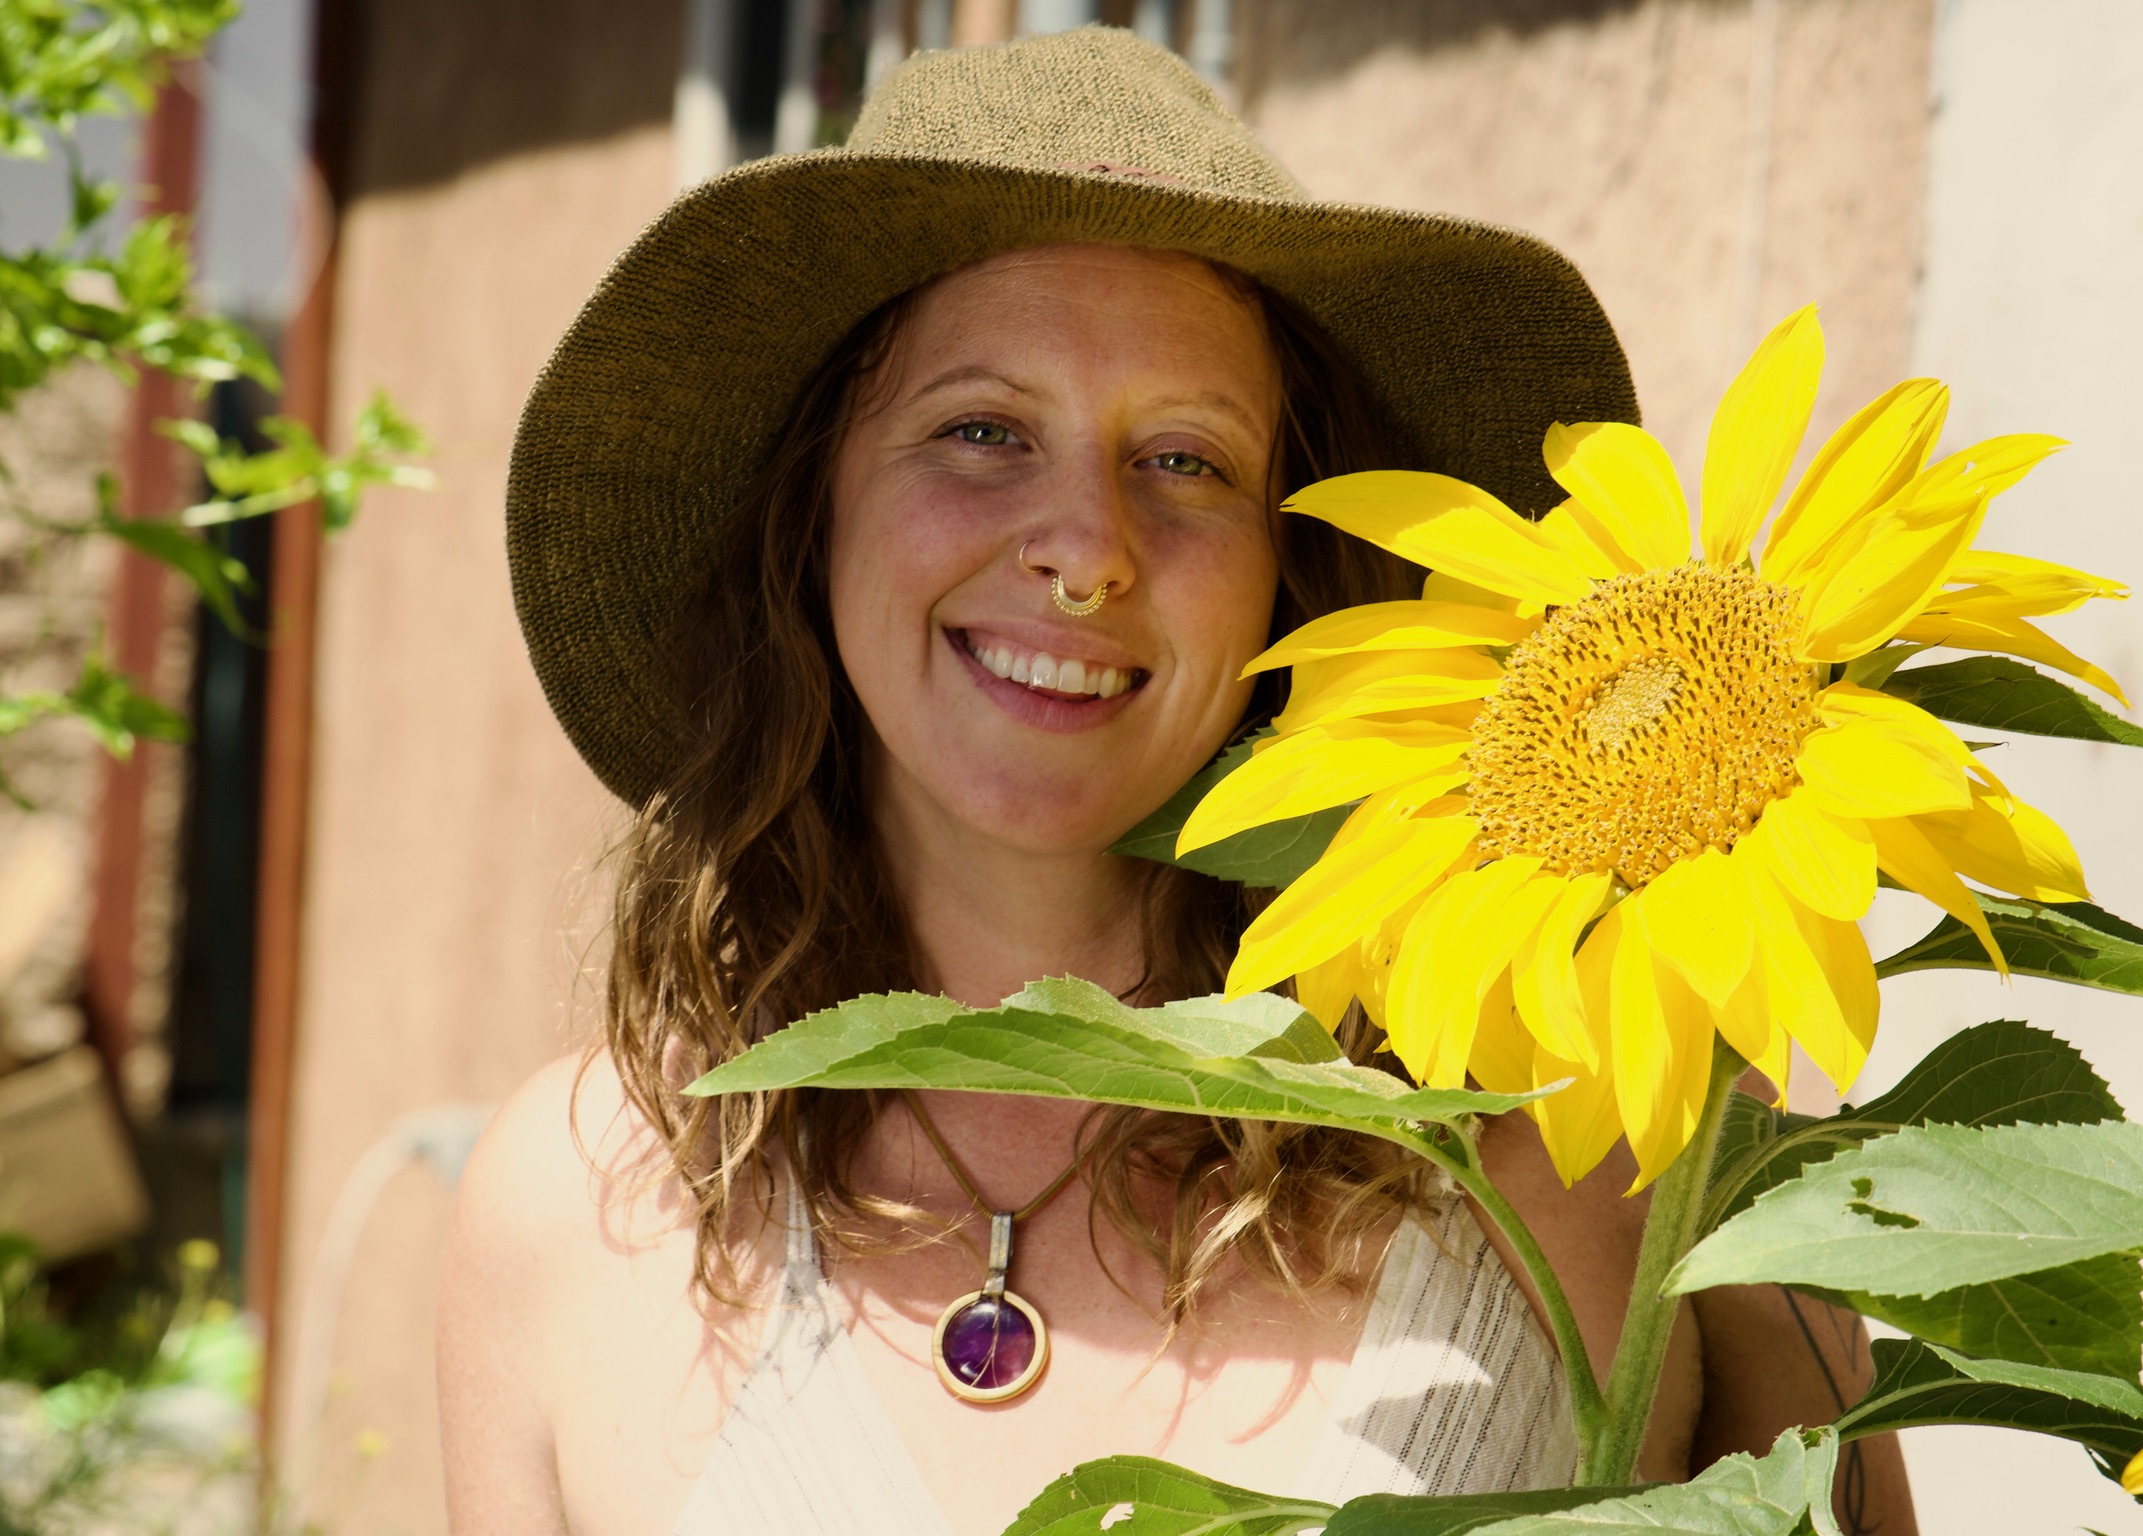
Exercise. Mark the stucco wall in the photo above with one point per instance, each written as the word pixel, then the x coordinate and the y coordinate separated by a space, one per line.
pixel 1709 166
pixel 454 833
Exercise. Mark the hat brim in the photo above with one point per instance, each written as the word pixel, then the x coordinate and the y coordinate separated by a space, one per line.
pixel 663 400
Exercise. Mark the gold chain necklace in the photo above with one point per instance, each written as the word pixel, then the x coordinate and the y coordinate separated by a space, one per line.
pixel 990 1345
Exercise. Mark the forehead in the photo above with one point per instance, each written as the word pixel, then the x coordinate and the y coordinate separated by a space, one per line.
pixel 1111 308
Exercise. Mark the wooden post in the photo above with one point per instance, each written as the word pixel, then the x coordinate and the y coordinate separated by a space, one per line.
pixel 151 484
pixel 286 752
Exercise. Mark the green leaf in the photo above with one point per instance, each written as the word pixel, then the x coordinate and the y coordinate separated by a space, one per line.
pixel 2006 695
pixel 1163 1500
pixel 2085 1316
pixel 1257 1057
pixel 1917 1384
pixel 2000 1073
pixel 2073 942
pixel 1397 1514
pixel 1274 855
pixel 1780 1495
pixel 212 573
pixel 1930 1208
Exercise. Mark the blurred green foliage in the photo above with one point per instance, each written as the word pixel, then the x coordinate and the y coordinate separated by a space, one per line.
pixel 71 300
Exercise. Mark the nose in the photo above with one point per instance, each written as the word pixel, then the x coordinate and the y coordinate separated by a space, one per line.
pixel 1081 531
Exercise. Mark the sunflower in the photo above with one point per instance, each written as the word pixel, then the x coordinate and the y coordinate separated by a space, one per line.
pixel 1615 800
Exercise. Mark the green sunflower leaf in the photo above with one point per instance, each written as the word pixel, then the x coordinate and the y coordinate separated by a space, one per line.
pixel 1930 1208
pixel 2006 695
pixel 1138 1496
pixel 2073 942
pixel 2000 1073
pixel 1274 855
pixel 1258 1057
pixel 1917 1384
pixel 1783 1494
pixel 2086 1316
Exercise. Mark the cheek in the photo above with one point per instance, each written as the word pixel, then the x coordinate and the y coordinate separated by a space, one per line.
pixel 892 553
pixel 1214 596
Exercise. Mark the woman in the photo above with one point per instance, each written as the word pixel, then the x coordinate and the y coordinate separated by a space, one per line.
pixel 890 531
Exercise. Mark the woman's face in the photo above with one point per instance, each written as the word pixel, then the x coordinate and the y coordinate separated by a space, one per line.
pixel 1111 413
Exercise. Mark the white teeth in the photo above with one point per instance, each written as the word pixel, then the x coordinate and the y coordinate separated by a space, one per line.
pixel 1042 670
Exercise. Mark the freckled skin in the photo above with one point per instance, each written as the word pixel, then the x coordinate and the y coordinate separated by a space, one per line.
pixel 1019 411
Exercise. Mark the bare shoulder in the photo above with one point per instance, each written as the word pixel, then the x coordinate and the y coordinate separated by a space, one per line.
pixel 536 1248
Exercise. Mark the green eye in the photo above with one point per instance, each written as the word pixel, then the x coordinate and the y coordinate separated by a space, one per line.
pixel 1180 463
pixel 983 434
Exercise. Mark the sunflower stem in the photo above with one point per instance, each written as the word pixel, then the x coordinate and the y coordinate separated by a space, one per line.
pixel 1670 1230
pixel 1588 1409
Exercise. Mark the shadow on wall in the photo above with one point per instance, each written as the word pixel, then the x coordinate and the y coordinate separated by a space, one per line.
pixel 1298 41
pixel 445 88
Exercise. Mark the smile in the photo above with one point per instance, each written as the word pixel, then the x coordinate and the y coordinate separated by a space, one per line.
pixel 1043 672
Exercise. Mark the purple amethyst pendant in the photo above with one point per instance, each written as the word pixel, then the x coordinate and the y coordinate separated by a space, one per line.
pixel 990 1346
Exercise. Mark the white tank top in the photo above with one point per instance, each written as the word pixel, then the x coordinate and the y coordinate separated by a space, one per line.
pixel 1452 1389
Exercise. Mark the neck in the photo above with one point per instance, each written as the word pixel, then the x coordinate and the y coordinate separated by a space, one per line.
pixel 987 918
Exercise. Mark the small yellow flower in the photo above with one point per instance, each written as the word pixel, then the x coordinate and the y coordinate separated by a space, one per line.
pixel 1616 800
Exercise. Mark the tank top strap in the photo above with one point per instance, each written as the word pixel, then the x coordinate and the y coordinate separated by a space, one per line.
pixel 808 1448
pixel 1454 1387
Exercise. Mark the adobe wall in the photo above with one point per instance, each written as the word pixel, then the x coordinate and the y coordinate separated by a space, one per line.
pixel 455 837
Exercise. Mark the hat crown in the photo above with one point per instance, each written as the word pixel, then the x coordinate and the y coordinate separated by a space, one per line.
pixel 1097 98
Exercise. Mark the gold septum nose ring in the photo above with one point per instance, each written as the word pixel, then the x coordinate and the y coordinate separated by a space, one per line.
pixel 1077 608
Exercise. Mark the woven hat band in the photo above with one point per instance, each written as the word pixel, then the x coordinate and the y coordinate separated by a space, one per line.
pixel 1077 100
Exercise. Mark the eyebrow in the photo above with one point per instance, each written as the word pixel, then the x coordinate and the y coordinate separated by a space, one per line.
pixel 975 373
pixel 971 373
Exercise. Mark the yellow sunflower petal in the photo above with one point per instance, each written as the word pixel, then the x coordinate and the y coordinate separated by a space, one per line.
pixel 1456 945
pixel 1825 861
pixel 1323 766
pixel 1906 856
pixel 1993 465
pixel 1624 478
pixel 1448 525
pixel 1842 702
pixel 1872 768
pixel 1329 987
pixel 2018 586
pixel 1442 587
pixel 1756 432
pixel 1820 987
pixel 1404 626
pixel 1348 892
pixel 2014 847
pixel 1661 1034
pixel 1874 584
pixel 1579 1124
pixel 1866 462
pixel 1544 973
pixel 1502 1060
pixel 1384 682
pixel 2132 1476
pixel 1697 918
pixel 1748 1025
pixel 2011 637
pixel 1578 534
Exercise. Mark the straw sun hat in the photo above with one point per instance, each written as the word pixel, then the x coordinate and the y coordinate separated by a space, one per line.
pixel 666 396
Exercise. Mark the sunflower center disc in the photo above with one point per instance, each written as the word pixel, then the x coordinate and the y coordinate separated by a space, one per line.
pixel 1653 719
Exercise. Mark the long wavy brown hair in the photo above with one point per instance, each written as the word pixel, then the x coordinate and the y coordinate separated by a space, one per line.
pixel 753 889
